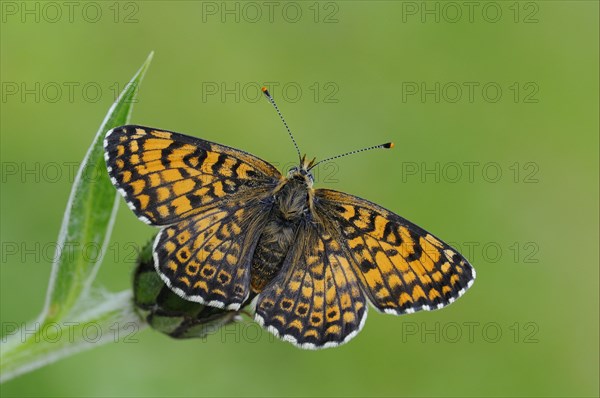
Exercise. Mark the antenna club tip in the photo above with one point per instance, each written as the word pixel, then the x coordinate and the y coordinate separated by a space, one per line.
pixel 389 145
pixel 264 90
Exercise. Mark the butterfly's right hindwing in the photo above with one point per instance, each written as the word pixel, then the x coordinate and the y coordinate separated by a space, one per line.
pixel 166 177
pixel 316 300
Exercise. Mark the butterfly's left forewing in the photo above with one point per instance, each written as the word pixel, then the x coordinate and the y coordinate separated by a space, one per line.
pixel 166 177
pixel 402 268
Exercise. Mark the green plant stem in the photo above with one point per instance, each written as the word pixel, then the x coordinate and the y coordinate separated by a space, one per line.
pixel 41 343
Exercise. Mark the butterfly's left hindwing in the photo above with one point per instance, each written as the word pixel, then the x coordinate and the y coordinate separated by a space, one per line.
pixel 166 177
pixel 207 257
pixel 402 268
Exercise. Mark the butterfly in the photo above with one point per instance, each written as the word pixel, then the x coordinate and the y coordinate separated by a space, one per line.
pixel 235 231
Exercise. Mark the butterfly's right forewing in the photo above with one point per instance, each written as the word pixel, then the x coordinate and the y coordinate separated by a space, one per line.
pixel 402 268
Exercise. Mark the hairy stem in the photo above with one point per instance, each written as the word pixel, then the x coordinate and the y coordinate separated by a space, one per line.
pixel 110 318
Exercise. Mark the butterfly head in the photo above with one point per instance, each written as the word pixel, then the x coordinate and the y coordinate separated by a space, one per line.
pixel 302 172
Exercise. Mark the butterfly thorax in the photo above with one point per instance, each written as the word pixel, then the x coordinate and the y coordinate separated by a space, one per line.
pixel 290 206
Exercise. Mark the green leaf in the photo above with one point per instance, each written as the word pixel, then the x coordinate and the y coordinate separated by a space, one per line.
pixel 71 303
pixel 89 217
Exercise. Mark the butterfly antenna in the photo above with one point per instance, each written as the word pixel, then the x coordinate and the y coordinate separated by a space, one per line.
pixel 380 146
pixel 272 101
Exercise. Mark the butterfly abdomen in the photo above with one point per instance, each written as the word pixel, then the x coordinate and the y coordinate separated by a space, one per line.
pixel 291 204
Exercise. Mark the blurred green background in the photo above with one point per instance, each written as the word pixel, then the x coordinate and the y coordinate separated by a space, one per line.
pixel 494 112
